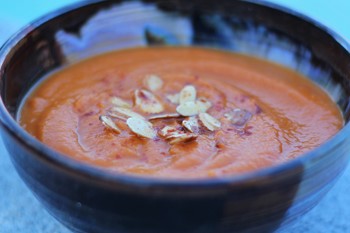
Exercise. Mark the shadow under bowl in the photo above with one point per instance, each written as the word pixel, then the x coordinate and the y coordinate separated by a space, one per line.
pixel 88 199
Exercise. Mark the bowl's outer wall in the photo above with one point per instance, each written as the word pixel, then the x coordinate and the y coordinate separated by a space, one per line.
pixel 86 203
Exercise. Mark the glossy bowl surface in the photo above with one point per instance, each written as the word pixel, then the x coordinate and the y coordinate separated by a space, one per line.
pixel 89 199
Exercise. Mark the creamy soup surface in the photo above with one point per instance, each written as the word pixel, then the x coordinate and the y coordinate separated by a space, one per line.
pixel 179 113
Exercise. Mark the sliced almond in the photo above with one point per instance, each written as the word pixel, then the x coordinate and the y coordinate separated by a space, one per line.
pixel 168 131
pixel 238 117
pixel 118 102
pixel 187 109
pixel 148 102
pixel 188 94
pixel 174 135
pixel 109 124
pixel 119 112
pixel 164 116
pixel 209 122
pixel 203 104
pixel 116 115
pixel 191 124
pixel 153 82
pixel 174 99
pixel 141 127
pixel 184 137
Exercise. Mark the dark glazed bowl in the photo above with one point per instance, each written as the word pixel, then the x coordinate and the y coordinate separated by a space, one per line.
pixel 88 199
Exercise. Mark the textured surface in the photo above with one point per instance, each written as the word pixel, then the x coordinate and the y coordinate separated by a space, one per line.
pixel 21 212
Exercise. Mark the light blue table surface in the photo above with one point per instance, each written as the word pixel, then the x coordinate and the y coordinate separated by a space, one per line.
pixel 20 212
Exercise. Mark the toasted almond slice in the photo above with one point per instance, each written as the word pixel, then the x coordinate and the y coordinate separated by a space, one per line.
pixel 238 117
pixel 164 116
pixel 153 82
pixel 184 137
pixel 168 131
pixel 148 102
pixel 187 109
pixel 191 124
pixel 203 104
pixel 188 94
pixel 119 112
pixel 109 124
pixel 141 127
pixel 209 122
pixel 174 99
pixel 116 115
pixel 118 102
pixel 174 135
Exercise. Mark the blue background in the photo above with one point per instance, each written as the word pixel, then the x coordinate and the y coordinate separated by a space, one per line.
pixel 21 212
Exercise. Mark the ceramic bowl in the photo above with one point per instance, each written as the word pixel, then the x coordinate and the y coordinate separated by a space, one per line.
pixel 89 199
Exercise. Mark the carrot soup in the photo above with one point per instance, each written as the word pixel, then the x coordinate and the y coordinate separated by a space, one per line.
pixel 179 112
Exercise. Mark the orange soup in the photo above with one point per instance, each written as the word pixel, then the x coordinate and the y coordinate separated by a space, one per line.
pixel 179 113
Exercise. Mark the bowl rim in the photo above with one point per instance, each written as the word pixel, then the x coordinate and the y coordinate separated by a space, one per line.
pixel 48 155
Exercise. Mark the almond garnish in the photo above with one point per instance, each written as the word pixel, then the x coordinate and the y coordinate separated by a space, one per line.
pixel 109 124
pixel 191 124
pixel 209 122
pixel 187 109
pixel 148 102
pixel 203 104
pixel 238 117
pixel 118 102
pixel 153 82
pixel 167 131
pixel 184 137
pixel 174 99
pixel 174 135
pixel 141 127
pixel 188 94
pixel 164 116
pixel 119 112
pixel 116 115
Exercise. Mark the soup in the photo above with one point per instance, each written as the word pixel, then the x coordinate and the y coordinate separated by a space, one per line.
pixel 179 113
